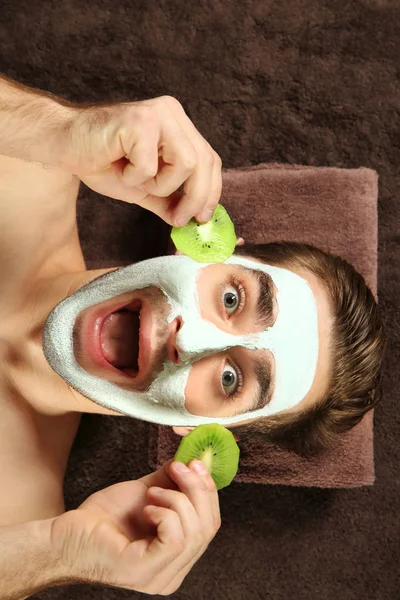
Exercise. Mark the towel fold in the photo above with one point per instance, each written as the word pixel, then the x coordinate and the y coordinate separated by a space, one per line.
pixel 336 210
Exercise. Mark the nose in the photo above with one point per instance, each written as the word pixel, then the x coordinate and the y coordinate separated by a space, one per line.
pixel 172 347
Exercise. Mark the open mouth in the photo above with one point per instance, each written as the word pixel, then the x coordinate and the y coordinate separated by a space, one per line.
pixel 113 339
pixel 120 338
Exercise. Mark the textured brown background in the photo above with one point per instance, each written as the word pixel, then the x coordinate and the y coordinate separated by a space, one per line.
pixel 305 81
pixel 336 210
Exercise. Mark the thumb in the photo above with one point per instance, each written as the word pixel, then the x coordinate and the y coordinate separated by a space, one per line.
pixel 163 207
pixel 160 478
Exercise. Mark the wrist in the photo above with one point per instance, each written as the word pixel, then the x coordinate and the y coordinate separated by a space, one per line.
pixel 48 552
pixel 29 562
pixel 34 124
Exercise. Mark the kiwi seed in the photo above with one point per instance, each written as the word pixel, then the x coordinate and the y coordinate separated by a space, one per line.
pixel 216 447
pixel 211 242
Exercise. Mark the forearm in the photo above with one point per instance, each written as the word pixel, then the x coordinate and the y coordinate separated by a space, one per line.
pixel 27 561
pixel 33 124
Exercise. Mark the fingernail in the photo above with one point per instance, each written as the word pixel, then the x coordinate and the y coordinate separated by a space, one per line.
pixel 199 468
pixel 181 221
pixel 181 468
pixel 206 215
pixel 156 491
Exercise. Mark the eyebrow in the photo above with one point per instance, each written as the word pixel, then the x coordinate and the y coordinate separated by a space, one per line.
pixel 262 370
pixel 265 297
pixel 263 375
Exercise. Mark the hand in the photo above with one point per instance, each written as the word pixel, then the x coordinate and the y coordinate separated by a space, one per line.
pixel 142 152
pixel 130 536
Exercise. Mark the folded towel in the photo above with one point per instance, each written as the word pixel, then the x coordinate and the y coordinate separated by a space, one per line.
pixel 336 210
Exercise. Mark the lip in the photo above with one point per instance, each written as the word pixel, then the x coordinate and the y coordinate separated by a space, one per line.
pixel 145 337
pixel 88 339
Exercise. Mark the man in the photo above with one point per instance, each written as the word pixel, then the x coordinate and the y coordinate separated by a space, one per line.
pixel 253 343
pixel 145 534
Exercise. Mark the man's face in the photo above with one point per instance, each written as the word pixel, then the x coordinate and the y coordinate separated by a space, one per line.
pixel 185 341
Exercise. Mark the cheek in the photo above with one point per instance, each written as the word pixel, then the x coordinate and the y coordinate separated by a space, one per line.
pixel 208 282
pixel 201 392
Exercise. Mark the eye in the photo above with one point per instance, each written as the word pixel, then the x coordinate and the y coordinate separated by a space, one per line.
pixel 231 299
pixel 229 380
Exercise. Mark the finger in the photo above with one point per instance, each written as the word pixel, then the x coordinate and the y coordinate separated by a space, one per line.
pixel 214 193
pixel 175 582
pixel 210 167
pixel 200 488
pixel 239 241
pixel 163 207
pixel 160 478
pixel 179 159
pixel 142 160
pixel 156 554
pixel 171 542
pixel 175 565
pixel 201 470
pixel 110 184
pixel 181 504
pixel 172 576
pixel 137 141
pixel 169 526
pixel 196 189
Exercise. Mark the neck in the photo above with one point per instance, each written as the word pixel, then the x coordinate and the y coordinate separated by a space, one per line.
pixel 28 376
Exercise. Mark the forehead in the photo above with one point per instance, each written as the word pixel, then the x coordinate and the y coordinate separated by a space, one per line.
pixel 221 270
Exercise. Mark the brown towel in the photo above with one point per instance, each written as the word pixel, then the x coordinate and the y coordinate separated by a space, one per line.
pixel 336 210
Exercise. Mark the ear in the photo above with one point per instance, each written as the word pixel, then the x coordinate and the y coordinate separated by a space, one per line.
pixel 182 431
pixel 239 241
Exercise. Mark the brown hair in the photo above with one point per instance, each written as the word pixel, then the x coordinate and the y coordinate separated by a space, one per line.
pixel 357 349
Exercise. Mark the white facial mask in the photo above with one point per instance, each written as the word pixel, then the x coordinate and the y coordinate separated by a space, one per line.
pixel 293 340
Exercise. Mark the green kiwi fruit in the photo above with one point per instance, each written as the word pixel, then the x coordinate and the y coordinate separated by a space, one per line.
pixel 211 242
pixel 216 447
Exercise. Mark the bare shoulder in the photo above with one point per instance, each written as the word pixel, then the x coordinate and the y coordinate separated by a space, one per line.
pixel 37 216
pixel 37 234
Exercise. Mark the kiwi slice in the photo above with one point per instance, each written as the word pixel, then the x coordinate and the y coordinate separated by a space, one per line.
pixel 211 242
pixel 216 447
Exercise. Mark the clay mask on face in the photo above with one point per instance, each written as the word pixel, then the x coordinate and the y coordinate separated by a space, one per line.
pixel 293 340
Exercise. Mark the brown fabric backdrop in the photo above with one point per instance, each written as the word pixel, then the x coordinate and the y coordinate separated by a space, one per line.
pixel 305 81
pixel 336 210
